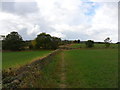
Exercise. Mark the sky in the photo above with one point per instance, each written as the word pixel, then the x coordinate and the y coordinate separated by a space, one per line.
pixel 67 19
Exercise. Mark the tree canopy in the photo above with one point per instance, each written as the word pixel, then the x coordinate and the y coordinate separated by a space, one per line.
pixel 13 41
pixel 107 42
pixel 46 41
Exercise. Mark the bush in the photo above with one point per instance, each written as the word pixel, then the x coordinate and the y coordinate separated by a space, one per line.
pixel 89 43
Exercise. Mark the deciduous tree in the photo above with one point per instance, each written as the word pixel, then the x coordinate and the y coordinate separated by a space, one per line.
pixel 107 42
pixel 13 41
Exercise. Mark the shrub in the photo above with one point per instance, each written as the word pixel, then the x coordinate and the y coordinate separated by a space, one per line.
pixel 89 43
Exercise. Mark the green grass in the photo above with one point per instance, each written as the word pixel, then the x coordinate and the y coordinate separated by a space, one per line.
pixel 0 60
pixel 84 68
pixel 48 77
pixel 96 68
pixel 16 59
pixel 82 45
pixel 50 74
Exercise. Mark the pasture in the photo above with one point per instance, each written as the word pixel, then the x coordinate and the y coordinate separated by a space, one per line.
pixel 91 68
pixel 16 59
pixel 82 45
pixel 75 68
pixel 82 68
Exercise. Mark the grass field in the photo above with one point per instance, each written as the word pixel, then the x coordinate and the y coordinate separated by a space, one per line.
pixel 82 45
pixel 93 68
pixel 16 59
pixel 78 68
pixel 0 60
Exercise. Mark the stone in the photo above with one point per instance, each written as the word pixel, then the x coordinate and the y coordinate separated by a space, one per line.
pixel 16 81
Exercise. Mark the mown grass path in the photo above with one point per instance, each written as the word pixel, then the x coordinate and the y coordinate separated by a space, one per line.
pixel 63 76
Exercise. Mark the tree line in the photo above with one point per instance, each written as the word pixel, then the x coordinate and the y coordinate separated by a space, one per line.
pixel 14 42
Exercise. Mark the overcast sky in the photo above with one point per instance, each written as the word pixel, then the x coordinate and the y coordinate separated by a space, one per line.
pixel 67 19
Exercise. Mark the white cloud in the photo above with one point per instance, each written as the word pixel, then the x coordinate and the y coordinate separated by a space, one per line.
pixel 57 34
pixel 105 22
pixel 63 19
pixel 104 0
pixel 17 0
